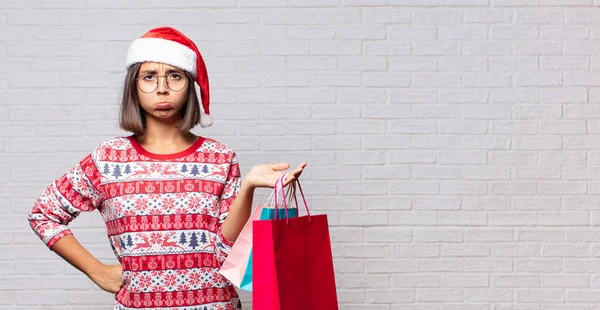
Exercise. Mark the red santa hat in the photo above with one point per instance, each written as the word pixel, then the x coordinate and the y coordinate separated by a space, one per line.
pixel 167 45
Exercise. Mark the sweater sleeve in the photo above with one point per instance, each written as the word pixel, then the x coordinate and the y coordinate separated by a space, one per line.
pixel 230 191
pixel 64 199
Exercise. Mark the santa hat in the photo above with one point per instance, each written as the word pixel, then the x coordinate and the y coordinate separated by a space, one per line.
pixel 167 45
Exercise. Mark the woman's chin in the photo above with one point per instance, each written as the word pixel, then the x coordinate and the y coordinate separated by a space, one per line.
pixel 165 116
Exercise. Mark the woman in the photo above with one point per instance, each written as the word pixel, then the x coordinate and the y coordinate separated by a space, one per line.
pixel 173 202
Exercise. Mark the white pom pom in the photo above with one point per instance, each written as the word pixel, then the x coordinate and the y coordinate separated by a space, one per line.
pixel 205 120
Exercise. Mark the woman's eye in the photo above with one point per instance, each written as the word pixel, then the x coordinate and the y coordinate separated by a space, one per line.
pixel 175 76
pixel 148 77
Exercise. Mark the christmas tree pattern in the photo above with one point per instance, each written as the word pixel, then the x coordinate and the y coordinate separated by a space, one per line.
pixel 117 172
pixel 127 169
pixel 203 238
pixel 194 241
pixel 106 169
pixel 122 244
pixel 205 169
pixel 182 239
pixel 184 168
pixel 195 171
pixel 129 241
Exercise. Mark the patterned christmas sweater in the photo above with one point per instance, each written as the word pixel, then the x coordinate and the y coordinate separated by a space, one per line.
pixel 163 216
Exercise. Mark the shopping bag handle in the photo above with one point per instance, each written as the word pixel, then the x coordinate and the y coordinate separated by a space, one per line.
pixel 287 217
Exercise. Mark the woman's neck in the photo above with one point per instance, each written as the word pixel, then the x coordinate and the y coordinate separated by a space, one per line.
pixel 165 137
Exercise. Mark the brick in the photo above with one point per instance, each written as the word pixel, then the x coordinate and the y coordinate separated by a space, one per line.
pixel 436 16
pixel 365 251
pixel 485 173
pixel 387 203
pixel 412 218
pixel 486 203
pixel 412 32
pixel 565 33
pixel 439 295
pixel 540 16
pixel 488 235
pixel 582 234
pixel 415 250
pixel 581 296
pixel 464 32
pixel 387 234
pixel 524 63
pixel 436 111
pixel 384 266
pixel 436 49
pixel 545 265
pixel 462 127
pixel 565 250
pixel 512 219
pixel 415 280
pixel 471 64
pixel 465 250
pixel 337 142
pixel 413 126
pixel 540 295
pixel 537 204
pixel 471 218
pixel 435 203
pixel 488 265
pixel 575 63
pixel 472 48
pixel 351 296
pixel 377 49
pixel 565 281
pixel 263 4
pixel 487 15
pixel 463 188
pixel 440 265
pixel 422 187
pixel 518 32
pixel 386 172
pixel 549 48
pixel 351 63
pixel 438 235
pixel 435 172
pixel 465 280
pixel 364 219
pixel 516 250
pixel 516 280
pixel 361 158
pixel 412 63
pixel 537 173
pixel 488 295
pixel 440 142
pixel 390 295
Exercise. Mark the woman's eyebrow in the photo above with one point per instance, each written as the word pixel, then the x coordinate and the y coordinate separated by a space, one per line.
pixel 154 71
pixel 149 71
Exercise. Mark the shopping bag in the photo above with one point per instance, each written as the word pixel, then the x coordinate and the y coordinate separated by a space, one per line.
pixel 237 267
pixel 266 214
pixel 292 263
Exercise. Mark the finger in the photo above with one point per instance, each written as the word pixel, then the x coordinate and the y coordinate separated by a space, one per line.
pixel 279 166
pixel 289 180
pixel 298 172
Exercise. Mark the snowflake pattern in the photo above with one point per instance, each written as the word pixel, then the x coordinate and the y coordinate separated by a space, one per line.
pixel 163 219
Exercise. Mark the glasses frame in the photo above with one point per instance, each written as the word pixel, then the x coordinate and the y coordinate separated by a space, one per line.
pixel 137 83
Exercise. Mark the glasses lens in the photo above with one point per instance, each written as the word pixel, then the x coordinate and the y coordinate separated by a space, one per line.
pixel 176 81
pixel 147 83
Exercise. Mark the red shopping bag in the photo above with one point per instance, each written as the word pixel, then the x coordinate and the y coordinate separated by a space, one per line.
pixel 292 265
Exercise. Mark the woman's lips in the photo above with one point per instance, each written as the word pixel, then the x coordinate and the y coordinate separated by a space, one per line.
pixel 163 105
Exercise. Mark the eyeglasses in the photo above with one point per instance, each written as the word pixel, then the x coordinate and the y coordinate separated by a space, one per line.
pixel 148 83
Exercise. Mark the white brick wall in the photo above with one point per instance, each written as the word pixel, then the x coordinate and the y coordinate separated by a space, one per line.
pixel 454 144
